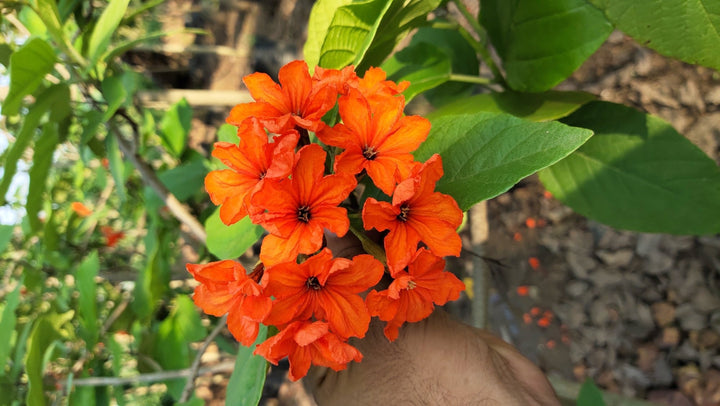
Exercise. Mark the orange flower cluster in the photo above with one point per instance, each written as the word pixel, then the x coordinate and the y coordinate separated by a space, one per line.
pixel 280 180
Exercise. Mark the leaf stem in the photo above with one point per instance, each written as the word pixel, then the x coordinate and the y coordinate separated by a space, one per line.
pixel 481 46
pixel 458 77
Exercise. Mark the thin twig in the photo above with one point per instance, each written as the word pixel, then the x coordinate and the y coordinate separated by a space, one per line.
pixel 482 34
pixel 227 366
pixel 190 384
pixel 151 179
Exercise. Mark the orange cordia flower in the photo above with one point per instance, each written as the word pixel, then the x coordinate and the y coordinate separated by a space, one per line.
pixel 306 343
pixel 251 161
pixel 376 138
pixel 325 288
pixel 374 84
pixel 300 208
pixel 417 213
pixel 297 102
pixel 341 80
pixel 226 288
pixel 111 236
pixel 80 209
pixel 412 294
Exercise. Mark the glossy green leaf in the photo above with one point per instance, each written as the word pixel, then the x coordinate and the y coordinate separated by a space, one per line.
pixel 48 12
pixel 87 307
pixel 42 161
pixel 175 127
pixel 118 91
pixel 320 18
pixel 485 154
pixel 590 394
pixel 45 331
pixel 175 333
pixel 183 182
pixel 104 28
pixel 424 65
pixel 365 32
pixel 248 378
pixel 5 52
pixel 32 22
pixel 550 105
pixel 7 324
pixel 28 67
pixel 6 234
pixel 229 242
pixel 687 30
pixel 463 59
pixel 637 173
pixel 542 42
pixel 47 100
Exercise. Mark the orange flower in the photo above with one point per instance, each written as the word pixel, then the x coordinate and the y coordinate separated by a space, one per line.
pixel 296 102
pixel 326 288
pixel 111 237
pixel 251 161
pixel 416 214
pixel 411 295
pixel 376 138
pixel 299 208
pixel 80 209
pixel 374 84
pixel 340 80
pixel 306 343
pixel 226 288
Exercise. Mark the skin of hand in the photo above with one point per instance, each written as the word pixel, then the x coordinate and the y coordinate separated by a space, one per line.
pixel 438 361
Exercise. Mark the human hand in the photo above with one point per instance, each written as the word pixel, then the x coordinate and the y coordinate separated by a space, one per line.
pixel 438 361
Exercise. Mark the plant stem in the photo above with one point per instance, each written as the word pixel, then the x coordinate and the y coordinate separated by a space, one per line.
pixel 482 49
pixel 458 77
pixel 190 384
pixel 151 377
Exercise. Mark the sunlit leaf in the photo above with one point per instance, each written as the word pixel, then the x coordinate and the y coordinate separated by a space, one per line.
pixel 45 331
pixel 28 67
pixel 104 28
pixel 424 65
pixel 7 324
pixel 485 154
pixel 87 308
pixel 320 18
pixel 42 161
pixel 637 173
pixel 175 127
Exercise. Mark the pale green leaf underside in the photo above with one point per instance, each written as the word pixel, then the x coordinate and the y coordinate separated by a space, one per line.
pixel 229 242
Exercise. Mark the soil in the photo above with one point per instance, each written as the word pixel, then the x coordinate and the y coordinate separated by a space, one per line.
pixel 638 313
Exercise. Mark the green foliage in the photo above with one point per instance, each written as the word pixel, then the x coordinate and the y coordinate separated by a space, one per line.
pixel 42 160
pixel 28 67
pixel 104 28
pixel 321 17
pixel 7 325
pixel 227 242
pixel 87 308
pixel 246 382
pixel 687 30
pixel 485 154
pixel 424 65
pixel 40 347
pixel 175 127
pixel 637 173
pixel 590 394
pixel 542 43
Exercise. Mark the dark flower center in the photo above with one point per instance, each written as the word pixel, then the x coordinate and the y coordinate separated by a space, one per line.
pixel 303 214
pixel 313 283
pixel 404 211
pixel 369 153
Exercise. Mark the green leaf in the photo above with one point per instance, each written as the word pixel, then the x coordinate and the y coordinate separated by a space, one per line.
pixel 118 91
pixel 175 127
pixel 48 12
pixel 5 52
pixel 46 330
pixel 32 22
pixel 7 324
pixel 183 181
pixel 687 30
pixel 227 242
pixel 227 133
pixel 320 18
pixel 107 24
pixel 50 98
pixel 28 67
pixel 42 160
pixel 485 154
pixel 350 33
pixel 542 42
pixel 550 105
pixel 248 378
pixel 6 234
pixel 637 173
pixel 424 65
pixel 116 164
pixel 590 394
pixel 153 279
pixel 463 59
pixel 175 333
pixel 87 307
